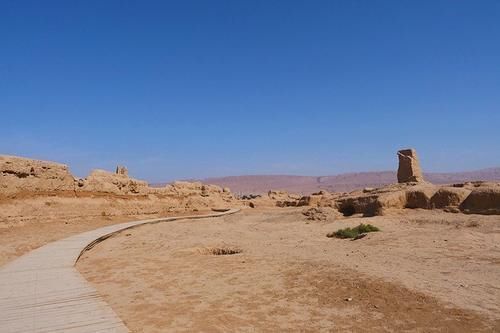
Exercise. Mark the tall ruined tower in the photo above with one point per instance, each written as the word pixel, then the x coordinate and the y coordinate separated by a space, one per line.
pixel 409 167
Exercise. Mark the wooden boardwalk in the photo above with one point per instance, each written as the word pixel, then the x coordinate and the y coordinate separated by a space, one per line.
pixel 43 292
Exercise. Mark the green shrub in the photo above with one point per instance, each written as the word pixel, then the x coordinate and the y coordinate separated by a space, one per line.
pixel 353 232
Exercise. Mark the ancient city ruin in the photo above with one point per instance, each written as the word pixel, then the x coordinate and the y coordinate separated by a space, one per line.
pixel 42 201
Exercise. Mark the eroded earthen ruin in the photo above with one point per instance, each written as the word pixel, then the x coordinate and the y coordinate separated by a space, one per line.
pixel 32 189
pixel 409 167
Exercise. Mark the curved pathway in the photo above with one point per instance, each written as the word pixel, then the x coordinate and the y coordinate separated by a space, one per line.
pixel 43 292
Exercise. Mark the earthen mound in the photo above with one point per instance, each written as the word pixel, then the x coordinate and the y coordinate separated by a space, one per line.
pixel 19 174
pixel 116 183
pixel 482 200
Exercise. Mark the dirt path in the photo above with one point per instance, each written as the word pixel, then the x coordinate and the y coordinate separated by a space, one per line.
pixel 426 271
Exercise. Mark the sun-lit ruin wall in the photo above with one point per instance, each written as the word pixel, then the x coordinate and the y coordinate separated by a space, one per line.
pixel 30 189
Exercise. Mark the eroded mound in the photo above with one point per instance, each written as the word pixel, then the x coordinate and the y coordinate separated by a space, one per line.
pixel 469 198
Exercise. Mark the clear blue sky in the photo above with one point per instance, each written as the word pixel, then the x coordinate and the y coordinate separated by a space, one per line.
pixel 181 89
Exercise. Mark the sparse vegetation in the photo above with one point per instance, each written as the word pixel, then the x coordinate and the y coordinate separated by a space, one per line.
pixel 353 232
pixel 221 251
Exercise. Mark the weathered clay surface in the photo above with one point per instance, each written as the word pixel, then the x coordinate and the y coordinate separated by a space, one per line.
pixel 449 197
pixel 26 175
pixel 31 190
pixel 472 198
pixel 419 196
pixel 117 192
pixel 409 167
pixel 483 200
pixel 116 183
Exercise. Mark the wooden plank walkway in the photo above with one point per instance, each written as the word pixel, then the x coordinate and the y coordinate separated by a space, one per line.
pixel 43 292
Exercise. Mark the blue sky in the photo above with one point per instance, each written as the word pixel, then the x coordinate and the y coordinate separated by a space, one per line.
pixel 190 89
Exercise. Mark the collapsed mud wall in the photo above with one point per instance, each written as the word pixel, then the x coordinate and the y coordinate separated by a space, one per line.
pixel 22 175
pixel 22 178
pixel 32 190
pixel 469 198
pixel 410 192
pixel 26 175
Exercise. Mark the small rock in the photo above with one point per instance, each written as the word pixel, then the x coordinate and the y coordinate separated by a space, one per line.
pixel 454 210
pixel 348 299
pixel 315 214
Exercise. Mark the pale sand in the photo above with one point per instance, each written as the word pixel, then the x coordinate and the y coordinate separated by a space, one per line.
pixel 20 236
pixel 426 271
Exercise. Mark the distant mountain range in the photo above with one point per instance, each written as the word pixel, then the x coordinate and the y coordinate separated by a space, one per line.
pixel 338 183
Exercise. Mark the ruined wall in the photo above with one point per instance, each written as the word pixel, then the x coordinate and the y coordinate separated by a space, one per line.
pixel 23 175
pixel 26 175
pixel 36 190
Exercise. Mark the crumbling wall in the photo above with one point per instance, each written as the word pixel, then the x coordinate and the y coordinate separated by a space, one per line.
pixel 20 175
pixel 116 183
pixel 32 177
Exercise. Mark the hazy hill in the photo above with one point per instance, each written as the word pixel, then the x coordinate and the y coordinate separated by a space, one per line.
pixel 339 183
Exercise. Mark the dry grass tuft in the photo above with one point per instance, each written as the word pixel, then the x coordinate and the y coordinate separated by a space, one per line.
pixel 353 232
pixel 220 251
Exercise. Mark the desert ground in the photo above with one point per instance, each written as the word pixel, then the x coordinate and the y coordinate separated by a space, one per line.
pixel 20 237
pixel 425 271
pixel 434 265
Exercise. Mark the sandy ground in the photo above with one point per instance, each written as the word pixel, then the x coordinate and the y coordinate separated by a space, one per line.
pixel 426 271
pixel 19 237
